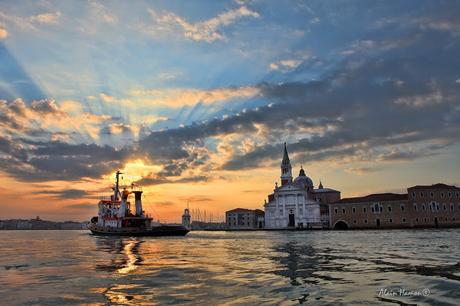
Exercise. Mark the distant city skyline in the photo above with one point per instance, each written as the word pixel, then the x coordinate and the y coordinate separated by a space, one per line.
pixel 194 100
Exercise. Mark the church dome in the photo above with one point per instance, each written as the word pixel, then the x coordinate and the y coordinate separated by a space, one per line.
pixel 302 180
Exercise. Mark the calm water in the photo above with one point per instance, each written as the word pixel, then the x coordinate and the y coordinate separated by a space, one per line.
pixel 355 267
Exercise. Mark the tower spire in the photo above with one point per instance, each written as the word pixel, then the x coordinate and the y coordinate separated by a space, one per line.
pixel 286 169
pixel 285 156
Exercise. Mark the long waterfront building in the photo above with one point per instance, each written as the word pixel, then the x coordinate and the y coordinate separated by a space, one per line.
pixel 296 204
pixel 435 205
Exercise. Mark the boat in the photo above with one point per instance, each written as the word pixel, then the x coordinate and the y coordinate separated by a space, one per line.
pixel 116 218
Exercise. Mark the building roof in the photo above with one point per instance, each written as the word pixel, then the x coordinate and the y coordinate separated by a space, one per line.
pixel 259 212
pixel 320 190
pixel 378 197
pixel 240 210
pixel 435 186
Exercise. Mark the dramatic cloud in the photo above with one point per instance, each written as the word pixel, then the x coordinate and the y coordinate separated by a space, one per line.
pixel 362 111
pixel 360 170
pixel 152 180
pixel 62 161
pixel 179 97
pixel 24 156
pixel 207 30
pixel 46 118
pixel 65 194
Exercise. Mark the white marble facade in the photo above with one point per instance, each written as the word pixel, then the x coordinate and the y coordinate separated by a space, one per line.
pixel 292 204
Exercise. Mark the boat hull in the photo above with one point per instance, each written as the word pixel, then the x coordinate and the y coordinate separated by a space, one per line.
pixel 156 231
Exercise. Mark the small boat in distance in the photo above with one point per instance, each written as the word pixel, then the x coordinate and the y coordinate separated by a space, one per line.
pixel 115 217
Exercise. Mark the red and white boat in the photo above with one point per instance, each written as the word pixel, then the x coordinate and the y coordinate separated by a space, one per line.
pixel 116 218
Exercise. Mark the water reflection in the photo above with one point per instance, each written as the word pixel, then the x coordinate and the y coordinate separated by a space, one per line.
pixel 307 264
pixel 124 256
pixel 123 259
pixel 270 268
pixel 131 251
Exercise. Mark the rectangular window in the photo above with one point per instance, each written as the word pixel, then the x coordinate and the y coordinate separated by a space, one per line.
pixel 336 211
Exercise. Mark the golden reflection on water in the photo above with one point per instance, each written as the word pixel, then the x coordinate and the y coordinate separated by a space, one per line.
pixel 131 258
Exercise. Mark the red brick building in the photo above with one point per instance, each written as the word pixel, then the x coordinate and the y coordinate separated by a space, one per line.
pixel 242 218
pixel 435 205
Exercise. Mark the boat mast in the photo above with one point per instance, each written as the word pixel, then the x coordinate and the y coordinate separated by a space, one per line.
pixel 115 196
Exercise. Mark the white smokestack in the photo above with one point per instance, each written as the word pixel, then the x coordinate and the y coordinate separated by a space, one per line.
pixel 138 199
pixel 124 198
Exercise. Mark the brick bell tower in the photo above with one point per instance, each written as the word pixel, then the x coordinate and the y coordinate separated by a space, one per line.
pixel 286 169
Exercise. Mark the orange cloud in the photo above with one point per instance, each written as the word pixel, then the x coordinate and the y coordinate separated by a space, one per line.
pixel 177 97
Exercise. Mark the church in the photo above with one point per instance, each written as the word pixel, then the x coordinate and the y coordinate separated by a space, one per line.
pixel 296 204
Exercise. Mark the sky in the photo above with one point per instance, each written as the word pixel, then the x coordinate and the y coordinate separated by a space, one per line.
pixel 194 100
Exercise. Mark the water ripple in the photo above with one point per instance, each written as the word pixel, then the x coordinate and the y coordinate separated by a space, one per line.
pixel 263 268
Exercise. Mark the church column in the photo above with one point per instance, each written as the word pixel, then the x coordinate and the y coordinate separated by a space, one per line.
pixel 283 200
pixel 303 203
pixel 297 206
pixel 277 200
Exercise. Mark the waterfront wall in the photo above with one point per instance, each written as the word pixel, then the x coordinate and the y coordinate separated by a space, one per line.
pixel 33 224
